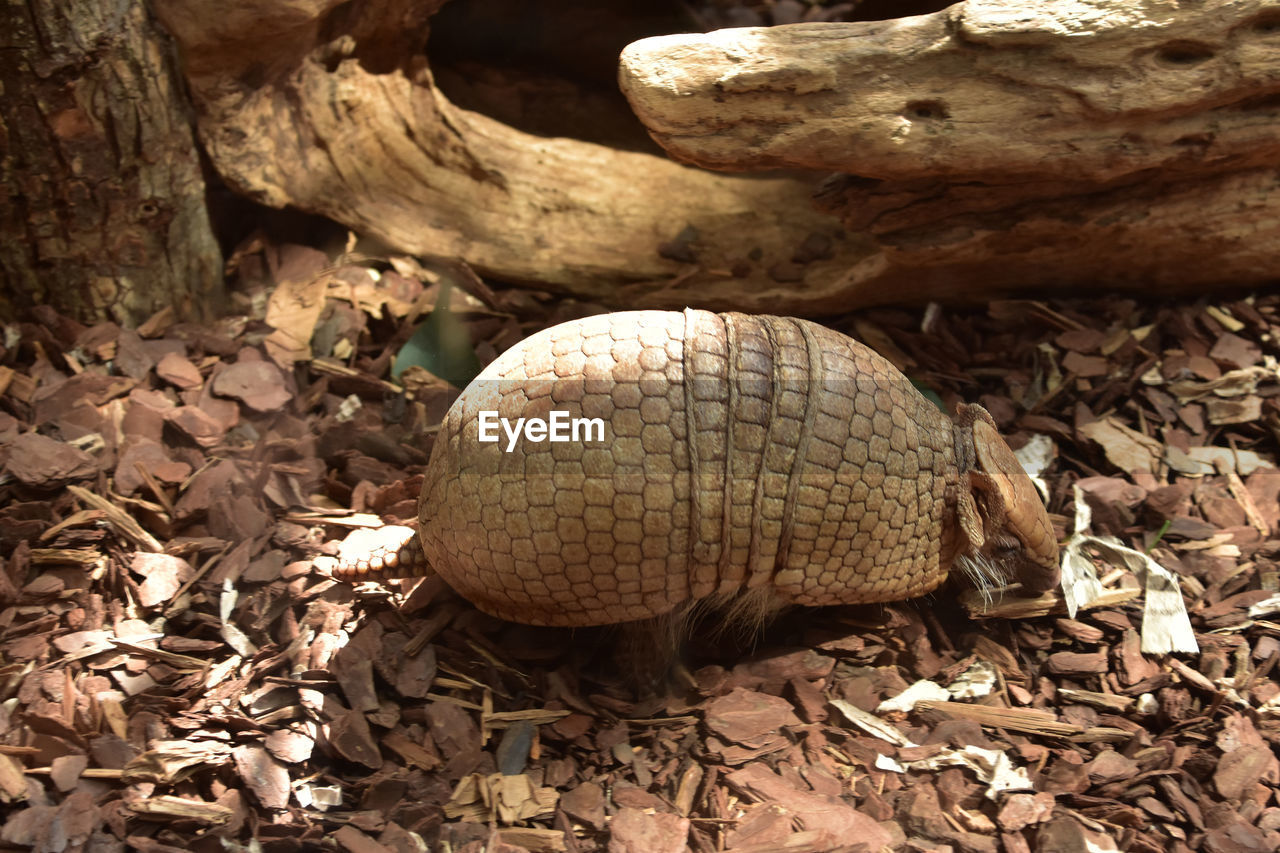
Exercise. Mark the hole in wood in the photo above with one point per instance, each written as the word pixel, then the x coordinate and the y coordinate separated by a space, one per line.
pixel 1184 53
pixel 1269 101
pixel 926 111
pixel 1267 23
pixel 1195 140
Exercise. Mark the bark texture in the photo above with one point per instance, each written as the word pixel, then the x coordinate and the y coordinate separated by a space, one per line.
pixel 105 212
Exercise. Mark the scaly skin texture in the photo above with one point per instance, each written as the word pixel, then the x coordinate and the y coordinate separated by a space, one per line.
pixel 739 452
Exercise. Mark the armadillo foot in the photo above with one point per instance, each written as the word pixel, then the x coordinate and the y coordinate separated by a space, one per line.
pixel 650 651
pixel 380 553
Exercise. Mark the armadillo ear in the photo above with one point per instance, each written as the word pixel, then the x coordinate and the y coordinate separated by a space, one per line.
pixel 1025 515
pixel 970 519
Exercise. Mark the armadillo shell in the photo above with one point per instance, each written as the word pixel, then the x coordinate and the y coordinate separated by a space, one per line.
pixel 738 451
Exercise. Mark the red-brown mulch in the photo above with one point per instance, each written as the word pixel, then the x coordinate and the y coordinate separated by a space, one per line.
pixel 179 674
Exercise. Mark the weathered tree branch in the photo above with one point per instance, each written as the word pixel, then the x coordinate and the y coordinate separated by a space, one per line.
pixel 362 135
pixel 986 91
pixel 1102 142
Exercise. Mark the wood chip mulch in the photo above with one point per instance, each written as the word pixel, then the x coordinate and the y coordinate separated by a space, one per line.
pixel 178 672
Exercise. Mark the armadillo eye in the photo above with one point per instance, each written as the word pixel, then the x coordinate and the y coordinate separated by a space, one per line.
pixel 1002 546
pixel 1005 554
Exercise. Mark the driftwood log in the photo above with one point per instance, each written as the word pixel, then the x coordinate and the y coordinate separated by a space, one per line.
pixel 1118 142
pixel 986 147
pixel 337 113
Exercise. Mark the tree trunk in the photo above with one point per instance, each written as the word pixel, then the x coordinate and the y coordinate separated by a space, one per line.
pixel 105 215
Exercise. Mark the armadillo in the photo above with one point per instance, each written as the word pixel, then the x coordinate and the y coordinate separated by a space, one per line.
pixel 740 455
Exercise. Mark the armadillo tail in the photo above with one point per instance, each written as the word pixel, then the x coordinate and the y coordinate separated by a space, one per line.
pixel 380 554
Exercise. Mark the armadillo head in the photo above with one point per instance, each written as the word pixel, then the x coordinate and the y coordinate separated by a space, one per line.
pixel 1006 527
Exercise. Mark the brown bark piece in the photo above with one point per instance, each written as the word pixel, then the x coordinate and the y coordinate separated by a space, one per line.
pixel 415 672
pixel 145 455
pixel 257 384
pixel 749 718
pixel 1132 664
pixel 926 817
pixel 40 461
pixel 834 819
pixel 353 840
pixel 56 400
pixel 291 747
pixel 179 372
pixel 262 774
pixel 1235 351
pixel 355 677
pixel 1263 486
pixel 762 825
pixel 634 831
pixel 65 771
pixel 1078 663
pixel 1239 837
pixel 1070 836
pixel 638 798
pixel 585 803
pixel 808 699
pixel 1022 810
pixel 1085 365
pixel 197 424
pixel 772 671
pixel 350 736
pixel 1239 770
pixel 1110 766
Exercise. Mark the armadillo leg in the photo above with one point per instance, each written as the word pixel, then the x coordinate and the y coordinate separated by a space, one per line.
pixel 646 650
